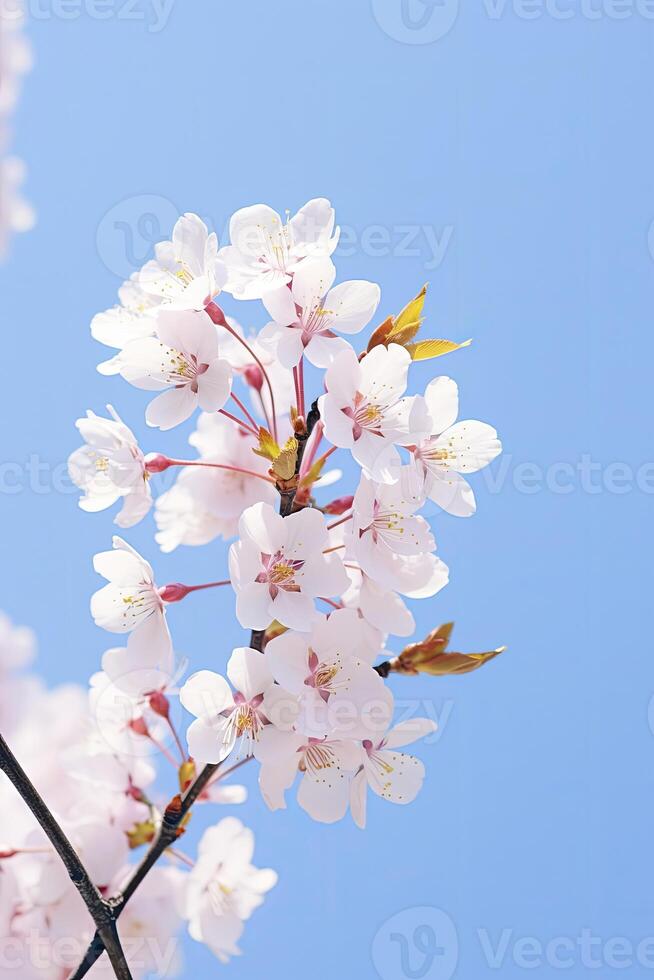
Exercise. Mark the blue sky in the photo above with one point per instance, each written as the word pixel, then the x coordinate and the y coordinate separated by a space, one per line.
pixel 504 153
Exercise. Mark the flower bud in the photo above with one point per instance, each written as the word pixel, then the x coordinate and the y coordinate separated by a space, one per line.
pixel 139 727
pixel 339 506
pixel 174 592
pixel 156 463
pixel 137 794
pixel 430 657
pixel 160 704
pixel 254 376
pixel 187 774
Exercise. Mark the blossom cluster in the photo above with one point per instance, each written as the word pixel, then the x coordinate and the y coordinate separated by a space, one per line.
pixel 98 773
pixel 321 584
pixel 16 214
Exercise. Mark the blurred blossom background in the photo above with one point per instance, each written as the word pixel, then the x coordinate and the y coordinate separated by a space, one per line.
pixel 503 152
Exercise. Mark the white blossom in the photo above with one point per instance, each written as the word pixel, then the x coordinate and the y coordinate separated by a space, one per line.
pixel 394 776
pixel 186 272
pixel 224 887
pixel 364 411
pixel 225 719
pixel 278 568
pixel 183 362
pixel 264 251
pixel 308 316
pixel 130 602
pixel 109 466
pixel 451 448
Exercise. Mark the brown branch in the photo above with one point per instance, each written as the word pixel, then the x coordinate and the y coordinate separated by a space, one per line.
pixel 100 911
pixel 174 815
pixel 287 498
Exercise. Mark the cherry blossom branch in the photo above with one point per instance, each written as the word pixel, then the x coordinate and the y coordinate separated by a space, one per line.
pixel 100 911
pixel 174 815
pixel 287 497
pixel 180 806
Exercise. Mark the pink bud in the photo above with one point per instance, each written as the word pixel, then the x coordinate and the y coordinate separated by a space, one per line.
pixel 159 704
pixel 216 314
pixel 139 727
pixel 136 794
pixel 339 506
pixel 254 376
pixel 174 592
pixel 156 463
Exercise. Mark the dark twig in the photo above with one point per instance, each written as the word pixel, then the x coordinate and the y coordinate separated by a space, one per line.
pixel 100 911
pixel 287 498
pixel 174 815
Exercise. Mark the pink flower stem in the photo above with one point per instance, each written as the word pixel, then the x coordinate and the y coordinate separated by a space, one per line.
pixel 177 739
pixel 343 520
pixel 330 602
pixel 224 773
pixel 164 751
pixel 264 410
pixel 218 318
pixel 300 378
pixel 221 466
pixel 328 551
pixel 176 591
pixel 10 852
pixel 312 449
pixel 296 382
pixel 240 424
pixel 208 585
pixel 325 456
pixel 245 411
pixel 184 858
